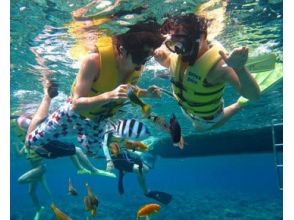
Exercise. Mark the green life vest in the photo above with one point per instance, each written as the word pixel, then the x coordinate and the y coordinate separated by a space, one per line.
pixel 189 87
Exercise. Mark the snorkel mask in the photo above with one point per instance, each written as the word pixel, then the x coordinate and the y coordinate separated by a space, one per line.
pixel 182 34
pixel 182 44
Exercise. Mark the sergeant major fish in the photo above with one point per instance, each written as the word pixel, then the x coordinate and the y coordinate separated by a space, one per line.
pixel 130 128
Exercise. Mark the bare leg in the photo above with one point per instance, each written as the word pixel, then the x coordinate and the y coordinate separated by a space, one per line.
pixel 141 177
pixel 50 91
pixel 32 175
pixel 88 165
pixel 78 165
pixel 33 195
pixel 228 113
pixel 45 185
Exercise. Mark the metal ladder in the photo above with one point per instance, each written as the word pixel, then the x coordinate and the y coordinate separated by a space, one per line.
pixel 278 154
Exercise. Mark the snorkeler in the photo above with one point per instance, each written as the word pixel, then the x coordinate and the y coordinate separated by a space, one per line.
pixel 99 89
pixel 85 28
pixel 200 69
pixel 130 161
pixel 33 177
pixel 56 148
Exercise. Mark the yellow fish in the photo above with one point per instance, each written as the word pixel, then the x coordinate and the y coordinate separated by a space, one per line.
pixel 71 190
pixel 146 109
pixel 91 201
pixel 147 210
pixel 136 145
pixel 59 214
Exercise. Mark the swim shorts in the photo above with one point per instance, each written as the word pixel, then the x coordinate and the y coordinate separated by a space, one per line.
pixel 63 125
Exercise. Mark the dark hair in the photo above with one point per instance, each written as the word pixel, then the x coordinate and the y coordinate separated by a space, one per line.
pixel 193 24
pixel 140 35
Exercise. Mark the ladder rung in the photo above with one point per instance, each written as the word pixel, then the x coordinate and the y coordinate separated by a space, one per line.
pixel 277 124
pixel 279 165
pixel 279 145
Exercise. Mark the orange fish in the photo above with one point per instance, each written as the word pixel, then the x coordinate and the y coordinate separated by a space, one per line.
pixel 147 210
pixel 58 213
pixel 136 145
pixel 91 201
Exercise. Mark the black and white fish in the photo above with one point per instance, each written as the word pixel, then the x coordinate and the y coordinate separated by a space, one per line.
pixel 130 128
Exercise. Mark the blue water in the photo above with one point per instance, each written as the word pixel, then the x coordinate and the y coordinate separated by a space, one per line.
pixel 219 187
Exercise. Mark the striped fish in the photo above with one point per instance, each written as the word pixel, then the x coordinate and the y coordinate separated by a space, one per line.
pixel 130 128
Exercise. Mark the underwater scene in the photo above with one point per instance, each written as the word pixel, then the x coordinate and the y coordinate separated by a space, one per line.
pixel 146 109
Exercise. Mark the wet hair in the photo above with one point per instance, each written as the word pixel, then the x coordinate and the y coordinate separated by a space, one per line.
pixel 139 36
pixel 193 25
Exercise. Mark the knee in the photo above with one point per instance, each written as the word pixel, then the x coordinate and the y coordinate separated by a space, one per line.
pixel 21 180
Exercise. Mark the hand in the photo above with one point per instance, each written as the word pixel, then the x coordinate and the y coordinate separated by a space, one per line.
pixel 109 166
pixel 119 92
pixel 153 91
pixel 237 59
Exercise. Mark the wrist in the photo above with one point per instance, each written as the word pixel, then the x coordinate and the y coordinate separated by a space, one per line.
pixel 239 68
pixel 107 96
pixel 141 92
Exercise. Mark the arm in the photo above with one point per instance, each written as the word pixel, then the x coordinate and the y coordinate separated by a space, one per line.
pixel 18 151
pixel 238 75
pixel 89 72
pixel 152 92
pixel 109 163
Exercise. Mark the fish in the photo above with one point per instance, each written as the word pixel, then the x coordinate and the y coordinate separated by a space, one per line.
pixel 59 214
pixel 173 127
pixel 91 201
pixel 146 109
pixel 115 149
pixel 160 121
pixel 71 190
pixel 147 210
pixel 175 131
pixel 136 145
pixel 130 128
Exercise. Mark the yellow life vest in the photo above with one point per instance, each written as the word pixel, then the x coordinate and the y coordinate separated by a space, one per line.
pixel 189 87
pixel 107 81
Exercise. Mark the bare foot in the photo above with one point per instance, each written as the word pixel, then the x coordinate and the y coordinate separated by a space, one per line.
pixel 84 171
pixel 103 173
pixel 38 213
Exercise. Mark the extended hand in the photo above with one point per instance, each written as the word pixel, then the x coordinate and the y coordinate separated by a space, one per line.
pixel 237 59
pixel 119 92
pixel 109 166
